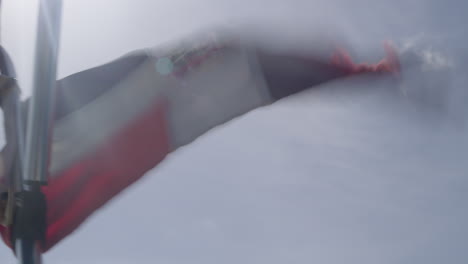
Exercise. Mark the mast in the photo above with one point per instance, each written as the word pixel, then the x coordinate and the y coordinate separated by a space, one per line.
pixel 30 223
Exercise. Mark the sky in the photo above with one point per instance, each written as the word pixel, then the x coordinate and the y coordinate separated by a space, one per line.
pixel 351 172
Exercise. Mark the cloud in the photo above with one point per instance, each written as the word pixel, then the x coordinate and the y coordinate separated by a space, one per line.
pixel 420 50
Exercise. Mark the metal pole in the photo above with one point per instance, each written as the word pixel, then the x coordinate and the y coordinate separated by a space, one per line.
pixel 27 252
pixel 39 124
pixel 41 106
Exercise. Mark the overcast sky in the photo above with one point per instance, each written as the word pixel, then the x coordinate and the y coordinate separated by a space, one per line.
pixel 353 172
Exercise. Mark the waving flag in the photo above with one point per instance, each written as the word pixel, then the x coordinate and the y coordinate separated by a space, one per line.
pixel 115 122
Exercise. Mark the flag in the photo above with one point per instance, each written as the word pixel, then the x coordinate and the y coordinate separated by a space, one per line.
pixel 115 122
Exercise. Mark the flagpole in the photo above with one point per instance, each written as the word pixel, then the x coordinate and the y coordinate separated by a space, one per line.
pixel 42 99
pixel 38 134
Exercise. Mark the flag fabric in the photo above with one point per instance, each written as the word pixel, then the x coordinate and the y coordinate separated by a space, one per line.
pixel 115 122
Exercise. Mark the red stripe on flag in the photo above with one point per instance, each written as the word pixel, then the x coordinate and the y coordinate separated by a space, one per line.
pixel 76 193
